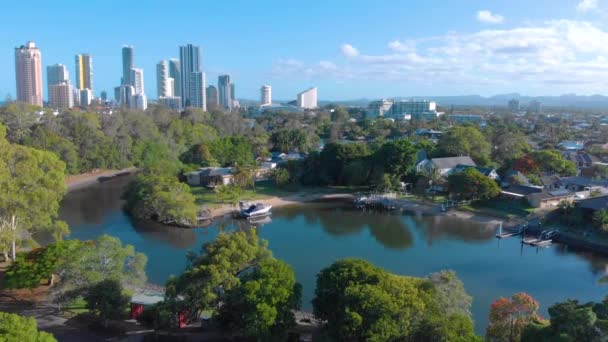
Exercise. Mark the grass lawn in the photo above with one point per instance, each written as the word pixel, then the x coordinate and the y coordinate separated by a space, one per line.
pixel 505 207
pixel 265 189
pixel 76 307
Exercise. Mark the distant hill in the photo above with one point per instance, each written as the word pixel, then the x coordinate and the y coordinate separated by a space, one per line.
pixel 565 101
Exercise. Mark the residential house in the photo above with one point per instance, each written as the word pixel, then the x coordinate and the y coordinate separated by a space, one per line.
pixel 210 176
pixel 519 192
pixel 445 166
pixel 281 157
pixel 428 133
pixel 264 170
pixel 514 177
pixel 593 204
pixel 581 159
pixel 549 199
pixel 571 145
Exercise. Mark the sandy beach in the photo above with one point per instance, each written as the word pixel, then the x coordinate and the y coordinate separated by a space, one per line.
pixel 277 202
pixel 82 180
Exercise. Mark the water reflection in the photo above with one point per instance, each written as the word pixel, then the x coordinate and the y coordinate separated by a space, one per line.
pixel 182 238
pixel 436 228
pixel 91 205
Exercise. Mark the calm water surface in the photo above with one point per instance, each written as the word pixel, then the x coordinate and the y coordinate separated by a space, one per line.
pixel 311 237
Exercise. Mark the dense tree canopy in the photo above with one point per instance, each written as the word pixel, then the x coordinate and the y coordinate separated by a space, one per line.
pixel 470 184
pixel 15 328
pixel 466 141
pixel 237 278
pixel 32 185
pixel 359 301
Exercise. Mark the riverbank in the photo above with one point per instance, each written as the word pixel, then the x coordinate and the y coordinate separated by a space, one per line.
pixel 277 202
pixel 83 180
pixel 407 205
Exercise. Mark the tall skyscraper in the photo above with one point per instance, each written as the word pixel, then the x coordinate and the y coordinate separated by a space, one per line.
pixel 28 74
pixel 164 83
pixel 266 95
pixel 61 96
pixel 84 71
pixel 175 74
pixel 137 80
pixel 308 99
pixel 212 100
pixel 232 92
pixel 197 87
pixel 56 74
pixel 223 89
pixel 191 65
pixel 127 65
pixel 86 97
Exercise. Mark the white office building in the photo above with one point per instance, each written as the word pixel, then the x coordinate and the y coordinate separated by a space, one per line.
pixel 308 99
pixel 164 83
pixel 266 95
pixel 137 79
pixel 86 97
pixel 138 101
pixel 379 108
pixel 60 96
pixel 174 102
pixel 197 88
pixel 415 109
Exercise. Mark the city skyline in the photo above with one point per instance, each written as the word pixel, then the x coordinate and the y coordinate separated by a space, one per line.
pixel 488 47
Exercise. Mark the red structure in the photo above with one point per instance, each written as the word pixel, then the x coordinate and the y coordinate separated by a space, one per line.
pixel 136 310
pixel 182 319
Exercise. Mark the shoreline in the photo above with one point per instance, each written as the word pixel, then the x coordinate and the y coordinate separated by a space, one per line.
pixel 405 205
pixel 278 202
pixel 83 180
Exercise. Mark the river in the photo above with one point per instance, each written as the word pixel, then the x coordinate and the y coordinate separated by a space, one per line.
pixel 311 237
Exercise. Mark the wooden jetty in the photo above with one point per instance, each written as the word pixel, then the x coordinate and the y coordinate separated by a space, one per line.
pixel 386 201
pixel 519 230
pixel 544 239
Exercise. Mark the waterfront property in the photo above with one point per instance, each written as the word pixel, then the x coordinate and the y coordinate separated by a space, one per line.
pixel 445 166
pixel 210 176
pixel 403 244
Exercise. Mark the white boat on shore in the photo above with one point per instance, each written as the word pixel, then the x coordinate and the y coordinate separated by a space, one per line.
pixel 254 210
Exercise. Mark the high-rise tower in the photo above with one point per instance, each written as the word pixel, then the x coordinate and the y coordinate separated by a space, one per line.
pixel 28 74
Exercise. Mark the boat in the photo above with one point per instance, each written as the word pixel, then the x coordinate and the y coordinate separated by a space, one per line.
pixel 254 210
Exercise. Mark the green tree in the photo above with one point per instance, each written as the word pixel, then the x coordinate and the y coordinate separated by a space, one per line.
pixel 32 183
pixel 94 261
pixel 553 161
pixel 261 306
pixel 216 271
pixel 15 328
pixel 397 157
pixel 107 300
pixel 161 198
pixel 359 301
pixel 280 177
pixel 600 219
pixel 466 141
pixel 470 184
pixel 571 321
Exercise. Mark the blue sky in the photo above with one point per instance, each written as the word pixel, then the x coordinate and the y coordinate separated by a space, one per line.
pixel 348 49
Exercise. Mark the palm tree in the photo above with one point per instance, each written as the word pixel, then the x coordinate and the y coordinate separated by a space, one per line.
pixel 433 177
pixel 600 218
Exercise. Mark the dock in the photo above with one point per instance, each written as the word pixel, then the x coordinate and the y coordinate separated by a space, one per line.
pixel 515 231
pixel 544 239
pixel 386 201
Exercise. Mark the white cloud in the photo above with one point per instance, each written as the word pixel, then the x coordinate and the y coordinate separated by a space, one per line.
pixel 489 17
pixel 587 5
pixel 349 51
pixel 565 53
